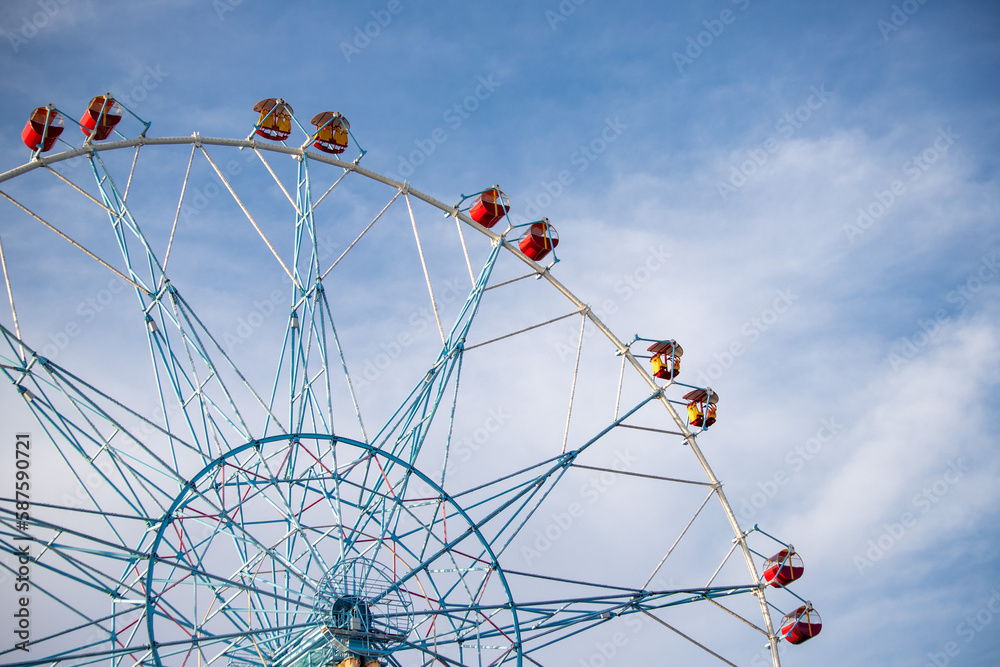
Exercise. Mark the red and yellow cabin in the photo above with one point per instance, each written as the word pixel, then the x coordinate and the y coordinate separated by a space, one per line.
pixel 331 133
pixel 356 662
pixel 44 126
pixel 666 359
pixel 101 117
pixel 275 119
pixel 701 407
pixel 490 206
pixel 783 568
pixel 539 240
pixel 800 625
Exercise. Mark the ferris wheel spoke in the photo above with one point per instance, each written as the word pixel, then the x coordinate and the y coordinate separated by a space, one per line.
pixel 177 215
pixel 79 189
pixel 306 343
pixel 84 398
pixel 465 249
pixel 81 557
pixel 122 220
pixel 361 235
pixel 693 641
pixel 192 556
pixel 423 263
pixel 480 570
pixel 546 622
pixel 277 180
pixel 272 598
pixel 251 550
pixel 19 351
pixel 467 628
pixel 330 189
pixel 326 315
pixel 195 348
pixel 322 310
pixel 231 643
pixel 86 439
pixel 683 532
pixel 159 340
pixel 572 389
pixel 74 243
pixel 85 564
pixel 404 432
pixel 305 257
pixel 284 507
pixel 189 394
pixel 85 650
pixel 187 388
pixel 428 564
pixel 304 397
pixel 246 212
pixel 195 323
pixel 420 537
pixel 427 531
pixel 131 172
pixel 524 330
pixel 524 498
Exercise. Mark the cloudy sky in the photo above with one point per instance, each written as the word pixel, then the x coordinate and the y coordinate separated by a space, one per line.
pixel 803 194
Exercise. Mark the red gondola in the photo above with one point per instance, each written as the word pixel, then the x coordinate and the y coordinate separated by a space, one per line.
pixel 101 117
pixel 275 119
pixel 701 407
pixel 666 359
pixel 801 625
pixel 490 206
pixel 332 135
pixel 42 129
pixel 539 240
pixel 783 568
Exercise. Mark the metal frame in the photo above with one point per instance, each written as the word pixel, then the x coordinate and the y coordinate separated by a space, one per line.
pixel 203 464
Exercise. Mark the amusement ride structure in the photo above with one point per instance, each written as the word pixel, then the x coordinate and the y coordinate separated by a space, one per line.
pixel 303 414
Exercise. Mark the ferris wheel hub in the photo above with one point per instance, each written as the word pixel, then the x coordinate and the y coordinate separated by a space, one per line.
pixel 359 612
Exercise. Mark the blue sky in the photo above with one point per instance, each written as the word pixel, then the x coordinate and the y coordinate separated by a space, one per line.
pixel 816 184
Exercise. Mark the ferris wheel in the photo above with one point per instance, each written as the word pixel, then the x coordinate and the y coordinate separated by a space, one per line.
pixel 292 412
